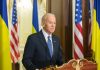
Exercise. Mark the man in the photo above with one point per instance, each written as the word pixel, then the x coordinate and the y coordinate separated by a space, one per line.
pixel 43 49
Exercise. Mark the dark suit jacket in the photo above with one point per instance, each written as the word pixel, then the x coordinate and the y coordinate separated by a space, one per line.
pixel 36 53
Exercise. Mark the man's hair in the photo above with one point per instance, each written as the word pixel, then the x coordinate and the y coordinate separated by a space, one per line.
pixel 44 18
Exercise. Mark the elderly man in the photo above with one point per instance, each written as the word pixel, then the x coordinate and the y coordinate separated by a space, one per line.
pixel 43 49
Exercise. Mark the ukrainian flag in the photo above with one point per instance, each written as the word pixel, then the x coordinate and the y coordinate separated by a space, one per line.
pixel 5 61
pixel 39 9
pixel 35 27
pixel 96 33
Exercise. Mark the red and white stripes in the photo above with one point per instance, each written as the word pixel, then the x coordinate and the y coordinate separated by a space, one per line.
pixel 78 41
pixel 14 42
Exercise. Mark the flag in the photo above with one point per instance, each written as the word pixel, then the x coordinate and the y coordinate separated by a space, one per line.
pixel 14 38
pixel 96 32
pixel 5 60
pixel 35 27
pixel 78 35
pixel 39 9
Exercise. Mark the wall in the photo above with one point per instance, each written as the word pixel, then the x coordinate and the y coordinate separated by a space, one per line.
pixel 63 11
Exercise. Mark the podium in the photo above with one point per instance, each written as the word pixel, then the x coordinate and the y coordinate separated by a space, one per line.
pixel 81 64
pixel 88 65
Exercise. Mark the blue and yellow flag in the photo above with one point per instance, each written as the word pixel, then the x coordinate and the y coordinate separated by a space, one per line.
pixel 5 60
pixel 39 9
pixel 35 27
pixel 96 32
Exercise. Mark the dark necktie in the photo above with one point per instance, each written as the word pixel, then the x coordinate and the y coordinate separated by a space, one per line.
pixel 49 43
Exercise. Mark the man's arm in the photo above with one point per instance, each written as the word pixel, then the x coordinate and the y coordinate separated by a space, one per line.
pixel 60 57
pixel 28 54
pixel 60 53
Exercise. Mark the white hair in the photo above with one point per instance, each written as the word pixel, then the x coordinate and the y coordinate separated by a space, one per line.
pixel 44 18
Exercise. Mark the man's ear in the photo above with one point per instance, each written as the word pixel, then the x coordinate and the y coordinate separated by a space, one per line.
pixel 43 24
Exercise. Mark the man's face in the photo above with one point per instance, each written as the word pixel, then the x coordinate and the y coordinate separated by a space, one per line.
pixel 50 24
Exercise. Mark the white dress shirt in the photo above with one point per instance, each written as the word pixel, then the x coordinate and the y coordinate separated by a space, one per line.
pixel 46 37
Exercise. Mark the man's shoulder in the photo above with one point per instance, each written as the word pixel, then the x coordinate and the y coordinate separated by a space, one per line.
pixel 55 37
pixel 36 35
pixel 33 35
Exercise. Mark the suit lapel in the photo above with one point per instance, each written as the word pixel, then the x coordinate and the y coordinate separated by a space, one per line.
pixel 42 39
pixel 54 46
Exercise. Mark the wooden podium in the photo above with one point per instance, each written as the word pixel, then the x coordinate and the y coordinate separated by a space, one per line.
pixel 88 65
pixel 81 64
pixel 73 64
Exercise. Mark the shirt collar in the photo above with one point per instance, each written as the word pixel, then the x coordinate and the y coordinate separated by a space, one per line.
pixel 46 34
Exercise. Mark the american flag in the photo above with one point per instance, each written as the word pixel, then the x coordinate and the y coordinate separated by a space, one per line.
pixel 78 35
pixel 14 39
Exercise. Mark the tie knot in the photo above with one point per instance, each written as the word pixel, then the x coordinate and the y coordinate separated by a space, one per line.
pixel 48 37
